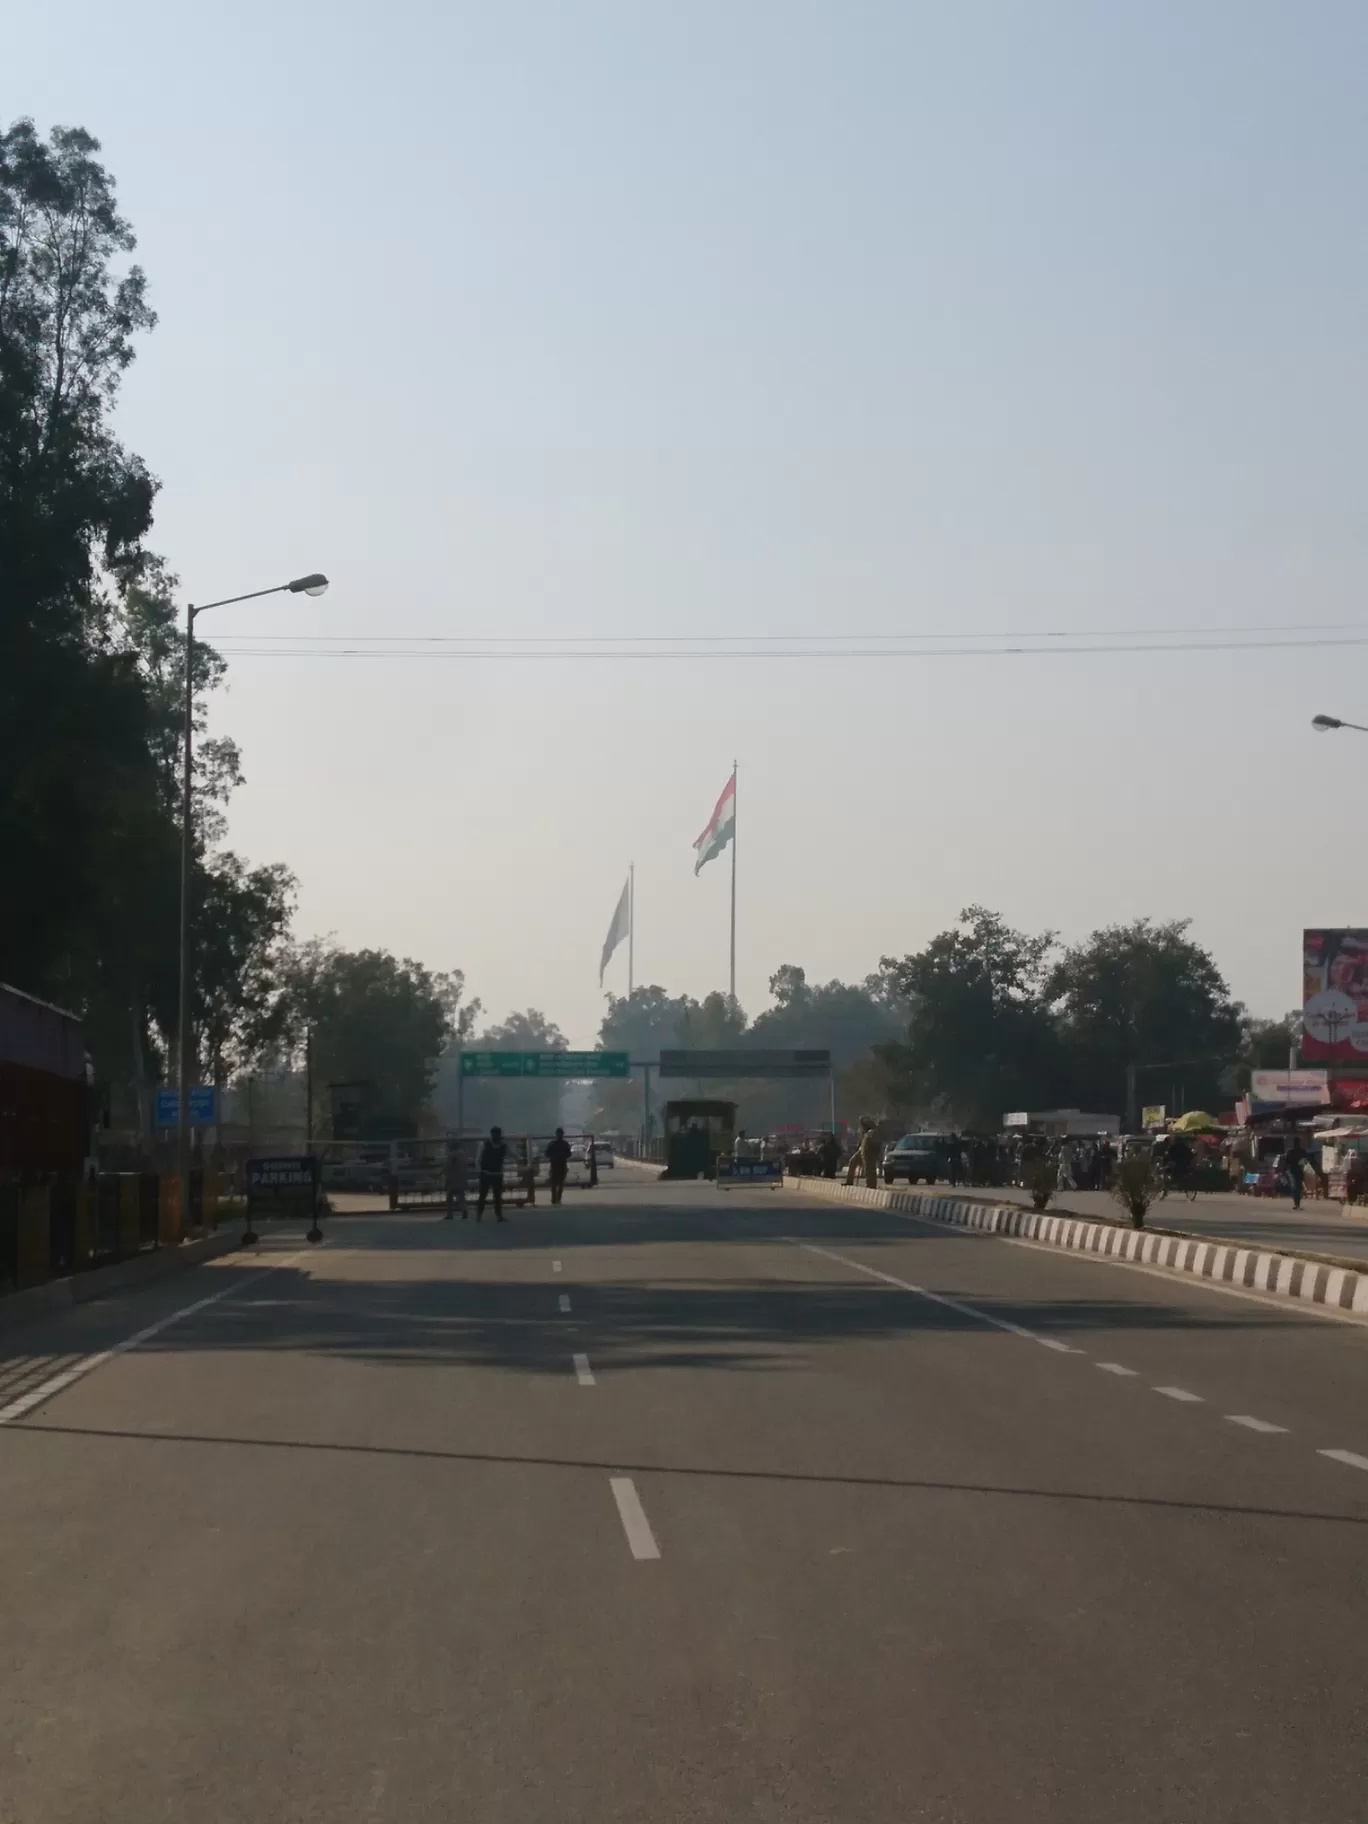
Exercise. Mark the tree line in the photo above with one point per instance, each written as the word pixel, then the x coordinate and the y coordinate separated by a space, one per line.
pixel 981 1021
pixel 91 715
pixel 91 662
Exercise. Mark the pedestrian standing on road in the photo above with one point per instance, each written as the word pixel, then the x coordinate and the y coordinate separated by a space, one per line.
pixel 455 1179
pixel 864 1161
pixel 1293 1165
pixel 492 1155
pixel 1064 1178
pixel 558 1164
pixel 591 1159
pixel 830 1156
pixel 954 1159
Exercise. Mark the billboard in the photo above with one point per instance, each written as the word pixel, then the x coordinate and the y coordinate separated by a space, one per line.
pixel 1334 995
pixel 1290 1088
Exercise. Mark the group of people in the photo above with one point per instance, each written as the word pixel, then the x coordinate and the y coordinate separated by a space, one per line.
pixel 492 1166
pixel 1085 1165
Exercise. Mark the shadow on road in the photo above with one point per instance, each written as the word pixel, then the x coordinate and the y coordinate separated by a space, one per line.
pixel 756 1324
pixel 797 1478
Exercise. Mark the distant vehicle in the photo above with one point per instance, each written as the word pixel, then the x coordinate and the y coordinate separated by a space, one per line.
pixel 915 1157
pixel 357 1172
pixel 696 1131
pixel 603 1152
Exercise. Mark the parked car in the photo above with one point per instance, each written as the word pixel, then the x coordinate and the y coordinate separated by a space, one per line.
pixel 915 1157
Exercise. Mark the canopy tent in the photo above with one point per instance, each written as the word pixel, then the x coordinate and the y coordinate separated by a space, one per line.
pixel 1197 1121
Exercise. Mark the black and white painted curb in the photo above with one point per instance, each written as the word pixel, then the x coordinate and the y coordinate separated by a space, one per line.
pixel 1285 1275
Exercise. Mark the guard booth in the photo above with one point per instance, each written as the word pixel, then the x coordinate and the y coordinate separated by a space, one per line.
pixel 696 1131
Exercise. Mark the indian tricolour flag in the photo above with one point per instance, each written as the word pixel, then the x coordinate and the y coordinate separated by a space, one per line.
pixel 721 826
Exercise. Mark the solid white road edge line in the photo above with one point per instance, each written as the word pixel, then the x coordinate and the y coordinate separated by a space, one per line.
pixel 46 1389
pixel 1180 1393
pixel 564 1301
pixel 1252 1424
pixel 1351 1457
pixel 640 1538
pixel 936 1298
pixel 1270 1301
pixel 583 1373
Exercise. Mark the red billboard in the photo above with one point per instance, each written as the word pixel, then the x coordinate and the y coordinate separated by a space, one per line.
pixel 1334 996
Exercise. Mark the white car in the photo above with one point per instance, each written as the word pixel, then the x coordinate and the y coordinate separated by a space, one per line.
pixel 603 1152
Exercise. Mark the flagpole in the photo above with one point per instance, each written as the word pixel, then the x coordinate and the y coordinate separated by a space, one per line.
pixel 733 889
pixel 631 925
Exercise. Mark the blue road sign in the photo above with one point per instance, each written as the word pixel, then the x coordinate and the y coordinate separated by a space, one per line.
pixel 203 1106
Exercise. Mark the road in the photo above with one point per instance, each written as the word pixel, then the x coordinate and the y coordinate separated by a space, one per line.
pixel 1319 1227
pixel 672 1506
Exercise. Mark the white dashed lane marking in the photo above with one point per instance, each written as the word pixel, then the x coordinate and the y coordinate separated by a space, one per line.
pixel 564 1301
pixel 583 1373
pixel 1351 1457
pixel 640 1538
pixel 1247 1421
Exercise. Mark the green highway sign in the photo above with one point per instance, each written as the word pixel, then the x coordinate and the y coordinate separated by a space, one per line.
pixel 545 1064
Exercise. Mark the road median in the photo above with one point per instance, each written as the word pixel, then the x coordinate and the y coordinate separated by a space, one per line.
pixel 1301 1278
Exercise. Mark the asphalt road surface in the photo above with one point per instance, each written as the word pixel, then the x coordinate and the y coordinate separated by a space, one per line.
pixel 673 1505
pixel 1319 1227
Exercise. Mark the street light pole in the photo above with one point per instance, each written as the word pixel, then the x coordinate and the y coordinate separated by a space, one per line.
pixel 1323 724
pixel 313 584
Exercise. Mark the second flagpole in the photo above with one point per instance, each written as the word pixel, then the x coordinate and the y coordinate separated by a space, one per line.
pixel 631 926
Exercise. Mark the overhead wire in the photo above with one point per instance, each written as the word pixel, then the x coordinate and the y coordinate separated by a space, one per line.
pixel 690 641
pixel 344 646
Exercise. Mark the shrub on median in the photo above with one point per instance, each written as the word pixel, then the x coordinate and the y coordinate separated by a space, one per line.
pixel 1135 1185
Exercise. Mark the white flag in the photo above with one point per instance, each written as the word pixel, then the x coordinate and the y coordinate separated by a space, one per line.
pixel 619 928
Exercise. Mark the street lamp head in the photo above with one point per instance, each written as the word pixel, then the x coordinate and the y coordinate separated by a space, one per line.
pixel 313 584
pixel 1323 724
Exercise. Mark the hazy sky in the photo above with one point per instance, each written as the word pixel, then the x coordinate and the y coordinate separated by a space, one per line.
pixel 759 318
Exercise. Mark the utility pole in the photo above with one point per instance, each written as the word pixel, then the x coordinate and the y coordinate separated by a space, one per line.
pixel 313 584
pixel 645 1068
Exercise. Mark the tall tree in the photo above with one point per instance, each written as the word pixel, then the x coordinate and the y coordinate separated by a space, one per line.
pixel 1145 994
pixel 375 1019
pixel 242 957
pixel 519 1106
pixel 74 510
pixel 1267 1045
pixel 981 1039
